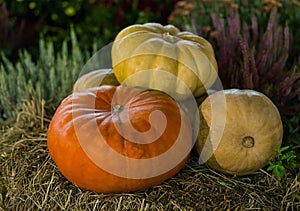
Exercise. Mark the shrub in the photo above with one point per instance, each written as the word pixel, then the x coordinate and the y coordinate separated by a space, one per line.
pixel 21 22
pixel 253 60
pixel 255 44
pixel 51 78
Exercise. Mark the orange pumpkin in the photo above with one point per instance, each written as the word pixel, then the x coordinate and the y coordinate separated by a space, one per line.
pixel 119 139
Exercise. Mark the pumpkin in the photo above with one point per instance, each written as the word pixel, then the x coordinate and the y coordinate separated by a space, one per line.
pixel 239 131
pixel 119 139
pixel 157 49
pixel 95 78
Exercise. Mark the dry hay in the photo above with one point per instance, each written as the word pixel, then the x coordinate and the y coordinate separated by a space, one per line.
pixel 29 180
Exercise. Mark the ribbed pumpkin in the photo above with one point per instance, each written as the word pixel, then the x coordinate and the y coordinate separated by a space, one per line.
pixel 95 78
pixel 151 46
pixel 251 131
pixel 119 139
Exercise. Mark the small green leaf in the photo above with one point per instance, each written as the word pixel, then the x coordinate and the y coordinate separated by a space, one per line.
pixel 291 161
pixel 279 171
pixel 271 166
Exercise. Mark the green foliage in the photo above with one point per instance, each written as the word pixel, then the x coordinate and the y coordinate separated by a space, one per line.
pixel 51 78
pixel 59 10
pixel 21 21
pixel 285 159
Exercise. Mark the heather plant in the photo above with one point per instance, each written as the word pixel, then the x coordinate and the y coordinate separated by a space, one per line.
pixel 253 60
pixel 195 15
pixel 257 47
pixel 254 51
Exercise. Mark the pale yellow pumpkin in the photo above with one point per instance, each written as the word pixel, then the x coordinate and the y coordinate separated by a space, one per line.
pixel 95 78
pixel 239 131
pixel 153 50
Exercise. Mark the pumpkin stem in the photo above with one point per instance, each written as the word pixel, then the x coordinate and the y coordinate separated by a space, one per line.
pixel 116 109
pixel 169 37
pixel 248 141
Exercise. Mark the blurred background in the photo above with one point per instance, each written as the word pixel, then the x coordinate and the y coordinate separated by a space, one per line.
pixel 22 22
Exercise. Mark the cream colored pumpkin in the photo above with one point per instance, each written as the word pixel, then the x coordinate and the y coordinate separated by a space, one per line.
pixel 252 131
pixel 95 78
pixel 158 49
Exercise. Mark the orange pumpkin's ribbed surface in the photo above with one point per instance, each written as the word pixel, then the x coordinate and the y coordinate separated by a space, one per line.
pixel 92 135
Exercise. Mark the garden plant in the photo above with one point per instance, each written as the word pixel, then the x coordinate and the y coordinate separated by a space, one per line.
pixel 256 47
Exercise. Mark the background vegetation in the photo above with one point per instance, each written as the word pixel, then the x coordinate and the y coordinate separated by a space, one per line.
pixel 23 21
pixel 256 45
pixel 44 45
